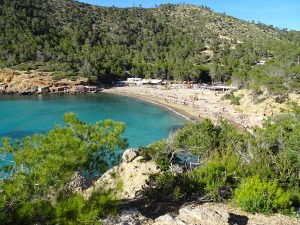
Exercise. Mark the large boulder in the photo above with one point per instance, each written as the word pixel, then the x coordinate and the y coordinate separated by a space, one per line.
pixel 129 155
pixel 126 179
pixel 221 214
pixel 168 220
pixel 203 215
pixel 195 214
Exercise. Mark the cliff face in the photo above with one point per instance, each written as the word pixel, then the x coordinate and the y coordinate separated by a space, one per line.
pixel 29 81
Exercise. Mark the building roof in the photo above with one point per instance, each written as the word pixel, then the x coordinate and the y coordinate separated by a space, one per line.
pixel 219 87
pixel 156 81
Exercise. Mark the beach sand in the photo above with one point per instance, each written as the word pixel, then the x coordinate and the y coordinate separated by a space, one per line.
pixel 193 104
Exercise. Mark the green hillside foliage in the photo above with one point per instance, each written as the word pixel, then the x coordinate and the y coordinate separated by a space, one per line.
pixel 181 42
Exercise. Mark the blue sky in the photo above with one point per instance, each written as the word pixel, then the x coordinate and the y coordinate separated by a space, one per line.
pixel 280 13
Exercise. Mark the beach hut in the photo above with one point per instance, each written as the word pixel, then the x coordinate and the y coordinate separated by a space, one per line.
pixel 219 88
pixel 3 87
pixel 143 82
pixel 90 89
pixel 156 82
pixel 59 90
pixel 44 89
pixel 121 83
pixel 77 89
pixel 133 81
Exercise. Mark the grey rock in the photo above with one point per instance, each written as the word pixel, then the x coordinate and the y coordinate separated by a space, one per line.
pixel 128 217
pixel 129 155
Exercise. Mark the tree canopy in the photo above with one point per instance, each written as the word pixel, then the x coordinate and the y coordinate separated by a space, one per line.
pixel 181 42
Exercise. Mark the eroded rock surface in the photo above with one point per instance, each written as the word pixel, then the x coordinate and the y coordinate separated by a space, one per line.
pixel 29 81
pixel 128 217
pixel 128 178
pixel 221 214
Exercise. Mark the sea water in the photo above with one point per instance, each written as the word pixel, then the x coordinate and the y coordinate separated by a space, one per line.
pixel 21 116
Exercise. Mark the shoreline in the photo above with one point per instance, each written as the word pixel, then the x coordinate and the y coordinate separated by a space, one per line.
pixel 184 110
pixel 200 103
pixel 178 110
pixel 191 104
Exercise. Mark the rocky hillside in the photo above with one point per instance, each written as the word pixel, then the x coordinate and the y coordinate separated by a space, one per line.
pixel 29 81
pixel 181 42
pixel 130 178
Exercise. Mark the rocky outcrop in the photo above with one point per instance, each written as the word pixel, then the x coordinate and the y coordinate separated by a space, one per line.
pixel 129 155
pixel 193 214
pixel 202 214
pixel 265 103
pixel 127 179
pixel 128 217
pixel 29 81
pixel 220 214
pixel 77 184
pixel 130 177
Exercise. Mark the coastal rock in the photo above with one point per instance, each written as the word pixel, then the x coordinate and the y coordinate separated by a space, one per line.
pixel 194 214
pixel 29 81
pixel 221 214
pixel 129 155
pixel 127 179
pixel 77 184
pixel 203 215
pixel 128 217
pixel 168 220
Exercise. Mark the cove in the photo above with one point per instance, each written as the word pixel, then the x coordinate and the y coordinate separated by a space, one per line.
pixel 21 116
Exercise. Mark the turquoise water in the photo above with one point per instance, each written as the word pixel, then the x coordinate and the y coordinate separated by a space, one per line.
pixel 21 116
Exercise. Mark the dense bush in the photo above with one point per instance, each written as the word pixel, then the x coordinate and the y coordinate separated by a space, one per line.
pixel 255 195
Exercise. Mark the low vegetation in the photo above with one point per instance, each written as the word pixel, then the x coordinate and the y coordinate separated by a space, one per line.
pixel 234 100
pixel 258 171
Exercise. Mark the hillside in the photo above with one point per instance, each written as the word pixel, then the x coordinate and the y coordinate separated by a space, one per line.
pixel 181 42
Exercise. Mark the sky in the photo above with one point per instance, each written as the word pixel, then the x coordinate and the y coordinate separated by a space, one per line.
pixel 279 13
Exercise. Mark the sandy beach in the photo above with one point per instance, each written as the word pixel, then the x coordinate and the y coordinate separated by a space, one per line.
pixel 193 104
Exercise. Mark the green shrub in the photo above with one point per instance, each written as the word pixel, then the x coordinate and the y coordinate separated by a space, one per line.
pixel 197 138
pixel 178 193
pixel 255 195
pixel 59 75
pixel 75 210
pixel 234 100
pixel 212 176
pixel 216 179
pixel 26 66
pixel 227 96
pixel 38 211
pixel 157 152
